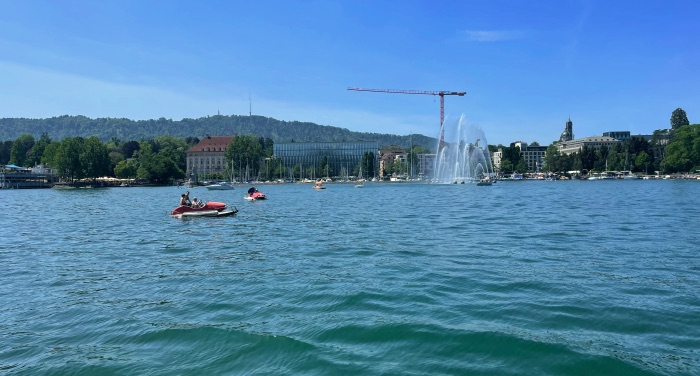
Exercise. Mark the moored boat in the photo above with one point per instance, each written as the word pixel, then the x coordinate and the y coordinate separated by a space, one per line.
pixel 628 175
pixel 221 186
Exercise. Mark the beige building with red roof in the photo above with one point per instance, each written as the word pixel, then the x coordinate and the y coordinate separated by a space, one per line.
pixel 207 157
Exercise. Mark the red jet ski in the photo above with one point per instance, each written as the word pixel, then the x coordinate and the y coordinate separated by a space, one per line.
pixel 254 194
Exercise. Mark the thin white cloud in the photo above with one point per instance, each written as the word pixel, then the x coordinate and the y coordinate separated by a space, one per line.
pixel 490 35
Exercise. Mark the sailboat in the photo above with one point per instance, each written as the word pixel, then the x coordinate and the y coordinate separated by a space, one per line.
pixel 360 182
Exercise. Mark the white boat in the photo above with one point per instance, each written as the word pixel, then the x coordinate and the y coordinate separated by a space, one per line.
pixel 600 176
pixel 221 186
pixel 628 175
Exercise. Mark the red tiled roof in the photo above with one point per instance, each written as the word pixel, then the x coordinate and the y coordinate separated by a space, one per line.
pixel 214 143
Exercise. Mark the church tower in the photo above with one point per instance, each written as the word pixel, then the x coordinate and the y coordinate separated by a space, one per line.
pixel 568 133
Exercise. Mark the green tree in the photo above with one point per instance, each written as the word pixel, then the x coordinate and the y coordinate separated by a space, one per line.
pixel 679 118
pixel 507 166
pixel 683 152
pixel 643 159
pixel 552 158
pixel 191 141
pixel 325 168
pixel 368 164
pixel 49 154
pixel 246 151
pixel 154 167
pixel 601 157
pixel 114 158
pixel 5 148
pixel 125 170
pixel 128 148
pixel 513 156
pixel 20 150
pixel 573 163
pixel 588 158
pixel 172 148
pixel 37 151
pixel 296 171
pixel 67 159
pixel 94 158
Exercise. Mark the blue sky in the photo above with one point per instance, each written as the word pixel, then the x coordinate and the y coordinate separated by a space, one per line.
pixel 526 65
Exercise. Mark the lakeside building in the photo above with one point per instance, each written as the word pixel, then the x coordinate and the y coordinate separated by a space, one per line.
pixel 568 144
pixel 593 142
pixel 388 155
pixel 340 155
pixel 618 135
pixel 496 158
pixel 207 157
pixel 16 177
pixel 534 156
pixel 426 165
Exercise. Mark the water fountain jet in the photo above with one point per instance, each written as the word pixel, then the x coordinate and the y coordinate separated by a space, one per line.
pixel 460 160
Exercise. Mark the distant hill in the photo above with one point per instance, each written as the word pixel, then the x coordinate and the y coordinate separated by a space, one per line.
pixel 61 127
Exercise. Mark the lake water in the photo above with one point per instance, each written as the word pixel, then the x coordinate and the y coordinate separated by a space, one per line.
pixel 520 278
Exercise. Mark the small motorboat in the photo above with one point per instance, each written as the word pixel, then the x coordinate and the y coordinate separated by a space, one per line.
pixel 484 182
pixel 220 186
pixel 319 185
pixel 209 209
pixel 254 194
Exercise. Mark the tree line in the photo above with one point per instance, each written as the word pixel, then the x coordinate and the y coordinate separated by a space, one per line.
pixel 105 129
pixel 158 161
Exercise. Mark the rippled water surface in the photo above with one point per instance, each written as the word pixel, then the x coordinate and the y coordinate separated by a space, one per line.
pixel 521 278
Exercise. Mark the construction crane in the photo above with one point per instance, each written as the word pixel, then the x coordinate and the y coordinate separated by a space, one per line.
pixel 441 93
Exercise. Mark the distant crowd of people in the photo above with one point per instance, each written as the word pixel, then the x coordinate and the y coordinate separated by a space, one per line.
pixel 185 201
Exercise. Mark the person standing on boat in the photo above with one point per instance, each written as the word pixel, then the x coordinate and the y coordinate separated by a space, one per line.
pixel 187 199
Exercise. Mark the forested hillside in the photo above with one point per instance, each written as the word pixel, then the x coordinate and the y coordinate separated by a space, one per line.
pixel 105 129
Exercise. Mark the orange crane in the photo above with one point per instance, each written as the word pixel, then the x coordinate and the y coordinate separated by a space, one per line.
pixel 441 93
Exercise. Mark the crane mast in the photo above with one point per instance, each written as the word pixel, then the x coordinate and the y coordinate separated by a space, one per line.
pixel 440 93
